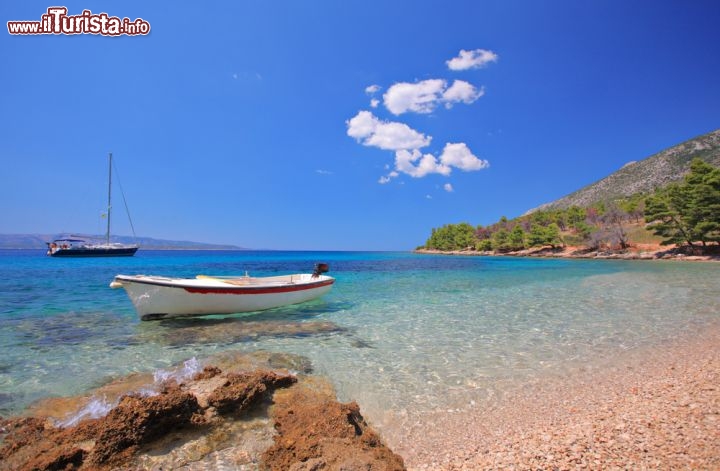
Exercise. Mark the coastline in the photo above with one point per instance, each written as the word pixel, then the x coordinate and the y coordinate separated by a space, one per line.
pixel 638 252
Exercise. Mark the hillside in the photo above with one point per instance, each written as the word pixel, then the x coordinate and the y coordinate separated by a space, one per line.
pixel 37 241
pixel 645 175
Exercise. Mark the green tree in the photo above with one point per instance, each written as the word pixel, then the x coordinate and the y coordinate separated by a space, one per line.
pixel 687 212
pixel 634 206
pixel 583 230
pixel 500 240
pixel 537 236
pixel 452 237
pixel 704 213
pixel 484 245
pixel 542 218
pixel 559 217
pixel 540 236
pixel 440 238
pixel 575 215
pixel 464 236
pixel 552 235
pixel 664 211
pixel 516 239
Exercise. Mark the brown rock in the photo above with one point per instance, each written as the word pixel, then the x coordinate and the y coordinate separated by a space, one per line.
pixel 19 432
pixel 207 373
pixel 316 432
pixel 34 444
pixel 59 458
pixel 243 389
pixel 141 419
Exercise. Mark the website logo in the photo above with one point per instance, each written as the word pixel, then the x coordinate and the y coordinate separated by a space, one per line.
pixel 57 21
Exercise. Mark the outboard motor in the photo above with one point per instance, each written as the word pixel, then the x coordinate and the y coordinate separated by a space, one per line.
pixel 320 268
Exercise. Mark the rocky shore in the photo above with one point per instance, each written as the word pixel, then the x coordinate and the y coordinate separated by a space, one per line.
pixel 637 252
pixel 248 413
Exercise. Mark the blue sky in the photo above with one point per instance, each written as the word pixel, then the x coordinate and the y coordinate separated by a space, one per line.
pixel 353 125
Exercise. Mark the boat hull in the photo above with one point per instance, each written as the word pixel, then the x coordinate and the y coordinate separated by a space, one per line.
pixel 95 252
pixel 158 297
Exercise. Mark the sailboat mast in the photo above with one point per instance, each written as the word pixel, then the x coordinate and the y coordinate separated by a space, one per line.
pixel 109 207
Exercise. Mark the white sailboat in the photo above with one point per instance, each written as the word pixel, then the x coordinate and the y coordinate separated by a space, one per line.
pixel 78 247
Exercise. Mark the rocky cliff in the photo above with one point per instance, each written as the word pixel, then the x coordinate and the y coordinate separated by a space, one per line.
pixel 645 175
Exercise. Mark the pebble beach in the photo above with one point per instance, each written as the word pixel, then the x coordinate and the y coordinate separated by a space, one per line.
pixel 657 408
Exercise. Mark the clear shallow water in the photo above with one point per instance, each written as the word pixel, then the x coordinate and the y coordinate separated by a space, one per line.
pixel 398 332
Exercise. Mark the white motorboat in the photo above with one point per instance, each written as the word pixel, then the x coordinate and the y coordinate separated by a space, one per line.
pixel 158 297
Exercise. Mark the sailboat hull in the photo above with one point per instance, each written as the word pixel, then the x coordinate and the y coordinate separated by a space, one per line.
pixel 95 251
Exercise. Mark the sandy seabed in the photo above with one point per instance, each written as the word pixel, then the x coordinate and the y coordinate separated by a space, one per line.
pixel 655 408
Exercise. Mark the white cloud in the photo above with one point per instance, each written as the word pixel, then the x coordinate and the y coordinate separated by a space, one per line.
pixel 417 165
pixel 405 162
pixel 389 135
pixel 386 179
pixel 420 97
pixel 323 172
pixel 459 156
pixel 475 59
pixel 372 89
pixel 423 97
pixel 461 91
pixel 374 103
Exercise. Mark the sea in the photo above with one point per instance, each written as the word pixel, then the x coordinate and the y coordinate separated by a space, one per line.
pixel 398 332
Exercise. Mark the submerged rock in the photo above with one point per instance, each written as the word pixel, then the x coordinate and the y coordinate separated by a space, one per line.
pixel 184 332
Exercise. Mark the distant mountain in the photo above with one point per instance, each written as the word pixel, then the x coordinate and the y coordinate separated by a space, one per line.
pixel 37 241
pixel 645 175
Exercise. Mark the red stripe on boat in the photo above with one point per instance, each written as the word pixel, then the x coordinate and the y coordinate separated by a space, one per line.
pixel 251 290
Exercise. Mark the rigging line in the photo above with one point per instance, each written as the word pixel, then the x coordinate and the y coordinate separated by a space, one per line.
pixel 122 193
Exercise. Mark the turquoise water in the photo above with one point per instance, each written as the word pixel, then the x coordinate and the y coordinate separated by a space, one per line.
pixel 399 331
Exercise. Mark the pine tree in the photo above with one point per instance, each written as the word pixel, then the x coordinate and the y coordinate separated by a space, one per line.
pixel 687 212
pixel 704 192
pixel 500 240
pixel 516 239
pixel 552 235
pixel 666 211
pixel 537 236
